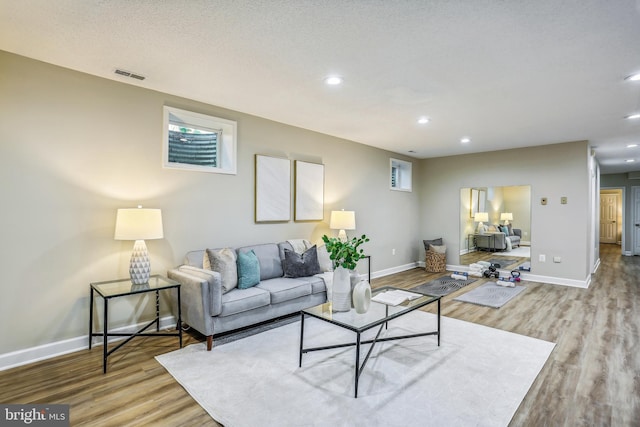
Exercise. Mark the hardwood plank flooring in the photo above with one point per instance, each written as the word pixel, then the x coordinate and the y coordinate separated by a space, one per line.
pixel 591 379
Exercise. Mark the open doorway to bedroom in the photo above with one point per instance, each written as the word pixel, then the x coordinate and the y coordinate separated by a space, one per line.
pixel 612 216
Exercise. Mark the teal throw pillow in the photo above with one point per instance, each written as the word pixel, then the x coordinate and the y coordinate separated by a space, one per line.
pixel 248 269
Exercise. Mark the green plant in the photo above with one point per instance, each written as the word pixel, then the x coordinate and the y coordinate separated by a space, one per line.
pixel 345 253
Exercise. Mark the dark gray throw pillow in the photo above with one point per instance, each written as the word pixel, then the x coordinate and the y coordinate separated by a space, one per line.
pixel 434 242
pixel 296 265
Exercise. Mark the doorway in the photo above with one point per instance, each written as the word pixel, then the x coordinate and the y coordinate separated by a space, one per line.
pixel 612 216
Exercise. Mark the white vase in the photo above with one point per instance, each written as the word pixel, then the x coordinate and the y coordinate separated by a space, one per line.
pixel 362 297
pixel 341 293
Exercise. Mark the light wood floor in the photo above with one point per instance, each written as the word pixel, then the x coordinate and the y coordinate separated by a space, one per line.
pixel 591 379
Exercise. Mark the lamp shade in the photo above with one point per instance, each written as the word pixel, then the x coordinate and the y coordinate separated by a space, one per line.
pixel 342 220
pixel 506 216
pixel 481 217
pixel 138 224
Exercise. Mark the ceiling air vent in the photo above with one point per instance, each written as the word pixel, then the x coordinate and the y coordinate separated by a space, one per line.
pixel 129 74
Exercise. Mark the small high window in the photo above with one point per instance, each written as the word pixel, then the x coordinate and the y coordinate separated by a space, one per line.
pixel 199 142
pixel 400 178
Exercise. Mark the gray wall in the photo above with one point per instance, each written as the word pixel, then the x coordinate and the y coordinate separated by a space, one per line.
pixel 74 148
pixel 552 171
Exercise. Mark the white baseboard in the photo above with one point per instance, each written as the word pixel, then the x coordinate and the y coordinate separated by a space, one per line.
pixel 524 275
pixel 393 270
pixel 628 253
pixel 47 351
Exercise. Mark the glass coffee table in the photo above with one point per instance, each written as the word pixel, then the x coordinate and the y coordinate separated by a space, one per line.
pixel 378 315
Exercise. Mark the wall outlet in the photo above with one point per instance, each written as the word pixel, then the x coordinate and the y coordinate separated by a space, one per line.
pixel 393 251
pixel 526 233
pixel 542 258
pixel 557 259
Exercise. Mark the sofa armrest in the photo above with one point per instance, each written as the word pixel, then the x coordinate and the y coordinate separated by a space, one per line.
pixel 201 295
pixel 517 232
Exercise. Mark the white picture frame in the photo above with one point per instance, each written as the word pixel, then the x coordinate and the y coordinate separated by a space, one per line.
pixel 309 191
pixel 273 189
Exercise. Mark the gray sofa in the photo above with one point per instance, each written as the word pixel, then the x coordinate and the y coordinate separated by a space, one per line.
pixel 209 310
pixel 496 240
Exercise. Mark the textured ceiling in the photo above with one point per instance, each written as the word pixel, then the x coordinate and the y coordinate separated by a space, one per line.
pixel 505 73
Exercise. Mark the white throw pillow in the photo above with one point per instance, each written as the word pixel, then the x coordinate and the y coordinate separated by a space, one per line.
pixel 323 259
pixel 224 262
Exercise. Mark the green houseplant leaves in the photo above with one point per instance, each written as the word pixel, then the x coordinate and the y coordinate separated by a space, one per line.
pixel 345 253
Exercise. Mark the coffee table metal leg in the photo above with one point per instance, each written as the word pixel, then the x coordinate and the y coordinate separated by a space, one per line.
pixel 301 338
pixel 357 364
pixel 438 322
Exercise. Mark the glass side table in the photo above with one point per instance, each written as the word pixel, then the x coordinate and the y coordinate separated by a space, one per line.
pixel 124 287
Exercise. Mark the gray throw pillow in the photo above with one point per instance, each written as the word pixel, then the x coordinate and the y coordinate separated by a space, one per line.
pixel 305 265
pixel 434 242
pixel 224 262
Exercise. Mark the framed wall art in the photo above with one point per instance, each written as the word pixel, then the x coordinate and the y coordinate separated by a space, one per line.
pixel 273 189
pixel 309 191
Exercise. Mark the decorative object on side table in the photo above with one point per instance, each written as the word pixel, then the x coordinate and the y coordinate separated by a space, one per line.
pixel 506 217
pixel 342 220
pixel 480 218
pixel 345 256
pixel 139 225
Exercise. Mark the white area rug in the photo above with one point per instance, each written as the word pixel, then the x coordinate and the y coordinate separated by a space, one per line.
pixel 521 251
pixel 477 377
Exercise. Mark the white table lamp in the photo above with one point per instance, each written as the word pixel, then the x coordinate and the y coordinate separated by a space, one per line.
pixel 481 217
pixel 139 225
pixel 342 220
pixel 506 217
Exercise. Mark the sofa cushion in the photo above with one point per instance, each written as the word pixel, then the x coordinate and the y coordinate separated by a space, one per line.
pixel 224 262
pixel 239 300
pixel 269 258
pixel 248 269
pixel 285 289
pixel 301 265
pixel 317 282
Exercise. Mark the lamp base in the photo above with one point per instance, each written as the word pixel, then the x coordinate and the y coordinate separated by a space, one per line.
pixel 139 266
pixel 342 235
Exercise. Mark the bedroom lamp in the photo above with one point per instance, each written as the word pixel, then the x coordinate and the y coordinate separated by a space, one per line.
pixel 139 225
pixel 481 217
pixel 506 217
pixel 342 220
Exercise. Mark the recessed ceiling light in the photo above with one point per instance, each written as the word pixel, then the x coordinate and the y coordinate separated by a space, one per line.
pixel 630 160
pixel 632 145
pixel 633 116
pixel 465 140
pixel 333 80
pixel 423 120
pixel 633 77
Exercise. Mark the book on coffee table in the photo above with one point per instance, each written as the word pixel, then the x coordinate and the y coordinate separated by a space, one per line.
pixel 395 297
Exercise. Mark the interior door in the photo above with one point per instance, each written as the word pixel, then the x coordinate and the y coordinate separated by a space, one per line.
pixel 636 220
pixel 608 214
